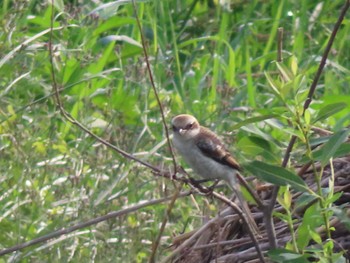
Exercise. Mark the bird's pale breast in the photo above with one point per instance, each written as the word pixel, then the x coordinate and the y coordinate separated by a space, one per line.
pixel 202 165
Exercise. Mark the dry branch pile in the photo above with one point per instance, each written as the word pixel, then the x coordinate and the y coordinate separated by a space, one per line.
pixel 224 239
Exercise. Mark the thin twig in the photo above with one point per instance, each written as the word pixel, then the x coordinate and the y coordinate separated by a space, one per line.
pixel 91 222
pixel 68 117
pixel 238 211
pixel 279 44
pixel 164 222
pixel 154 86
pixel 47 96
pixel 205 191
pixel 253 193
pixel 241 215
pixel 196 235
pixel 325 55
pixel 268 209
pixel 178 188
pixel 284 164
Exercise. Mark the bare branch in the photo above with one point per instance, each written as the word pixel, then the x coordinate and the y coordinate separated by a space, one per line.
pixel 154 87
pixel 88 223
pixel 279 44
pixel 325 55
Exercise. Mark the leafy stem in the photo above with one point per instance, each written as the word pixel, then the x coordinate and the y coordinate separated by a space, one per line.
pixel 304 127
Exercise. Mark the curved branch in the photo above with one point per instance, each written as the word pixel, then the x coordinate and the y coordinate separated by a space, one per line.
pixel 90 222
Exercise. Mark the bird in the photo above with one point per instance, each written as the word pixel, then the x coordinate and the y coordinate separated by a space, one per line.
pixel 208 157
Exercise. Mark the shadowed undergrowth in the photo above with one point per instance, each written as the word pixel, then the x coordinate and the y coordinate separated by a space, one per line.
pixel 217 62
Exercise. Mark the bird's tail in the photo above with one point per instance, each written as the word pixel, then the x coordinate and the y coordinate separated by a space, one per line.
pixel 244 206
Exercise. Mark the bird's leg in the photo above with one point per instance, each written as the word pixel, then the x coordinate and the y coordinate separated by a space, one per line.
pixel 200 181
pixel 212 187
pixel 206 190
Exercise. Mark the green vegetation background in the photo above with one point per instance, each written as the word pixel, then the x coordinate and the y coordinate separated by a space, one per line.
pixel 213 60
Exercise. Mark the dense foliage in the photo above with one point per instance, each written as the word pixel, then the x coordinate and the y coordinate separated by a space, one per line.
pixel 213 59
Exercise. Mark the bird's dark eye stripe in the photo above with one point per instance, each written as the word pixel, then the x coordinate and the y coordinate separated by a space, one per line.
pixel 189 126
pixel 174 128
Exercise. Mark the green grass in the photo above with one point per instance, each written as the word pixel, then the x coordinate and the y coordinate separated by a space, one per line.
pixel 206 60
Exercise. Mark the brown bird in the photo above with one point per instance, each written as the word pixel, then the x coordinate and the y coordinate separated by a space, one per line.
pixel 204 152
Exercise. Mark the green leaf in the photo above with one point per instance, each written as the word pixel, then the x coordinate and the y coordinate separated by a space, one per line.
pixel 264 144
pixel 294 65
pixel 254 120
pixel 107 39
pixel 254 130
pixel 343 150
pixel 276 87
pixel 315 236
pixel 285 72
pixel 329 110
pixel 287 199
pixel 257 146
pixel 285 255
pixel 334 143
pixel 276 175
pixel 304 200
pixel 109 9
pixel 311 220
pixel 112 23
pixel 307 116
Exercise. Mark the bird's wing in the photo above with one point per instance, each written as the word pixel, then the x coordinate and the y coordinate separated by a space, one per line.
pixel 211 146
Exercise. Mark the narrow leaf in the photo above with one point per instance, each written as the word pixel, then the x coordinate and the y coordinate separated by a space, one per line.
pixel 307 116
pixel 109 9
pixel 285 255
pixel 334 143
pixel 329 110
pixel 286 74
pixel 277 175
pixel 107 39
pixel 254 120
pixel 311 220
pixel 294 65
pixel 343 150
pixel 275 86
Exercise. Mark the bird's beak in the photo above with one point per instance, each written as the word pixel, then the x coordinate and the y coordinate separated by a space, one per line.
pixel 182 131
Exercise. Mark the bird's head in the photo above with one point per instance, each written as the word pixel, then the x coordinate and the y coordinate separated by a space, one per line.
pixel 185 126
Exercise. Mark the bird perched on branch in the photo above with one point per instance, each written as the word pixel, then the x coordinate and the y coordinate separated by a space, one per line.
pixel 204 152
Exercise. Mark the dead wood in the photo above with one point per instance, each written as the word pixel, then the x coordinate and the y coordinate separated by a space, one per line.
pixel 225 239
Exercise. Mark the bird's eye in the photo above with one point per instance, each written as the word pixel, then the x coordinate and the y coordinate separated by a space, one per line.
pixel 189 126
pixel 174 128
